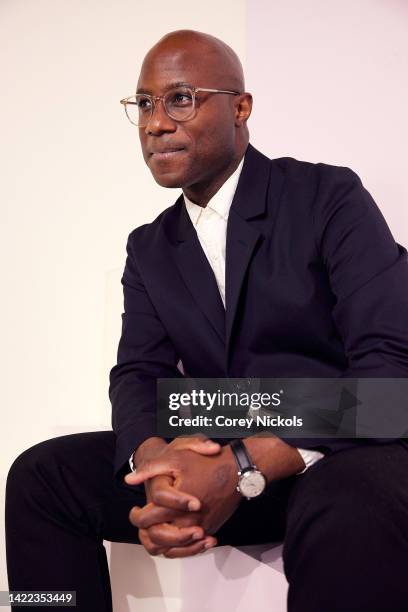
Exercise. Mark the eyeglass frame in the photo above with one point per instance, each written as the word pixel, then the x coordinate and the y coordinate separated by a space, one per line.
pixel 153 99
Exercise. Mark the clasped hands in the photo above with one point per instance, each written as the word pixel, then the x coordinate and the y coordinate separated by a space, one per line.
pixel 190 490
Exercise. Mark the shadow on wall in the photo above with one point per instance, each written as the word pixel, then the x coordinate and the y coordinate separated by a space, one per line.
pixel 229 578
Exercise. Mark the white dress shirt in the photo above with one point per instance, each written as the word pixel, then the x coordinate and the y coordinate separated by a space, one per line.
pixel 210 223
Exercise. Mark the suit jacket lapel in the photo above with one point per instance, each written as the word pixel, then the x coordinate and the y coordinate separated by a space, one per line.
pixel 241 242
pixel 197 272
pixel 258 176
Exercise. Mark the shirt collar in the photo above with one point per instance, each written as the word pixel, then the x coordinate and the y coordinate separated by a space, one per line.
pixel 220 202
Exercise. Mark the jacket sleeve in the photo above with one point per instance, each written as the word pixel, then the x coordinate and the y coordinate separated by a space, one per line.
pixel 368 274
pixel 145 353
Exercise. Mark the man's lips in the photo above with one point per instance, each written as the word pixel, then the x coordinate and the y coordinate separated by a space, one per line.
pixel 166 153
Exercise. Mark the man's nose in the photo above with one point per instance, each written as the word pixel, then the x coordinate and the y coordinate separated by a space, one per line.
pixel 159 121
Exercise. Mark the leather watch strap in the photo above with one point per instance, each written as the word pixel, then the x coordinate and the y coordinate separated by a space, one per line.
pixel 242 456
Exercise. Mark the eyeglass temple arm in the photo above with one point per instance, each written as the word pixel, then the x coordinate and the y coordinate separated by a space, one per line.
pixel 127 101
pixel 235 93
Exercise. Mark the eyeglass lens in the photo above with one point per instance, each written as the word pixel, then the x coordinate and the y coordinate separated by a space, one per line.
pixel 178 102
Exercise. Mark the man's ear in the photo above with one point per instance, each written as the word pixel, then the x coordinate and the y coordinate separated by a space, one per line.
pixel 243 108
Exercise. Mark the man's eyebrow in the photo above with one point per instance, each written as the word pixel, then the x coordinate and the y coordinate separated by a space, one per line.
pixel 141 90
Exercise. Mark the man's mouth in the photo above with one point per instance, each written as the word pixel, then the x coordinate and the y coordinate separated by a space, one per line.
pixel 166 153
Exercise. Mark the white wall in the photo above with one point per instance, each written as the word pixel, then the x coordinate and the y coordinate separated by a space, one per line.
pixel 73 186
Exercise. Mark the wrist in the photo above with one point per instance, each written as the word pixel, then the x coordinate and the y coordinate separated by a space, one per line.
pixel 273 457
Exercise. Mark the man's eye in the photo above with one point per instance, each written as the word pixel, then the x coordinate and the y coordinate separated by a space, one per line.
pixel 144 104
pixel 180 99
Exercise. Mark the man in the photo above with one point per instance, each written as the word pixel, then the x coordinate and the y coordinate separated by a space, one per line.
pixel 262 268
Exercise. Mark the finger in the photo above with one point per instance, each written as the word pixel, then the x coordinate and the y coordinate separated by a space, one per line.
pixel 149 470
pixel 193 549
pixel 156 468
pixel 168 535
pixel 170 496
pixel 163 493
pixel 199 444
pixel 151 515
pixel 151 548
pixel 157 481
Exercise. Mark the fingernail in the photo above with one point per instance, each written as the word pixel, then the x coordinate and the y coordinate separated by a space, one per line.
pixel 207 545
pixel 197 536
pixel 193 504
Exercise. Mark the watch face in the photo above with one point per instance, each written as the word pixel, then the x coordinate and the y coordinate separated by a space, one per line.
pixel 252 483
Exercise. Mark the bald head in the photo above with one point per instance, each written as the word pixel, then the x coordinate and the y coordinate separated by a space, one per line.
pixel 214 55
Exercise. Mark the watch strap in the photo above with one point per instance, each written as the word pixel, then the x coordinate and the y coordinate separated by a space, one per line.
pixel 242 456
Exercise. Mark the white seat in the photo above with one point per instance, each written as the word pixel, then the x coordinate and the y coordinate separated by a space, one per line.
pixel 227 578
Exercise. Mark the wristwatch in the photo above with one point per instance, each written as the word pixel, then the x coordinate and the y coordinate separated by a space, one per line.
pixel 251 482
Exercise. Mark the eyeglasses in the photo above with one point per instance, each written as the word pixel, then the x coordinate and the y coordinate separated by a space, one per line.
pixel 179 104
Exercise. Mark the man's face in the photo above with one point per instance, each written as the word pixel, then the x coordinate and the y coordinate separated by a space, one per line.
pixel 205 144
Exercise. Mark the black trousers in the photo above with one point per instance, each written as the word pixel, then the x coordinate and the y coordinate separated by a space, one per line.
pixel 344 523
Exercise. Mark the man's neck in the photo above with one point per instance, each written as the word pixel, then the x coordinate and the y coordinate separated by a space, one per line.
pixel 201 193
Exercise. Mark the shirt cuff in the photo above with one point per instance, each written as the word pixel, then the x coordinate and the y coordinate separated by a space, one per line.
pixel 131 464
pixel 309 457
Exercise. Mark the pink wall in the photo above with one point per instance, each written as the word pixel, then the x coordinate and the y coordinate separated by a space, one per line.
pixel 330 84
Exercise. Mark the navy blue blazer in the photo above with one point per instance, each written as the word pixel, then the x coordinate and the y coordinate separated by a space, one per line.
pixel 316 286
